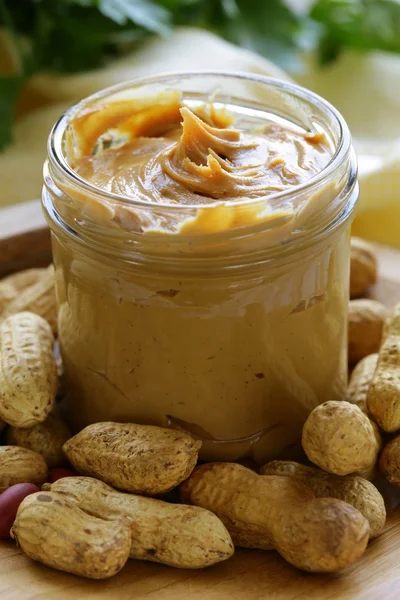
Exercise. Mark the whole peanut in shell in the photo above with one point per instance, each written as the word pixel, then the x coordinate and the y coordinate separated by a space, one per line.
pixel 7 294
pixel 135 458
pixel 28 372
pixel 354 490
pixel 363 267
pixel 383 398
pixel 46 438
pixel 24 279
pixel 39 298
pixel 57 533
pixel 339 438
pixel 187 537
pixel 389 462
pixel 14 284
pixel 20 465
pixel 360 381
pixel 366 319
pixel 259 511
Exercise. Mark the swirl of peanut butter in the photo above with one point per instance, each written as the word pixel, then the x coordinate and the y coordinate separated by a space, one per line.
pixel 164 152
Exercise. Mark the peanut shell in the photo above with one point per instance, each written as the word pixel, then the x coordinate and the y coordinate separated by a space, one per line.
pixel 19 465
pixel 259 511
pixel 383 397
pixel 187 537
pixel 354 490
pixel 57 533
pixel 339 438
pixel 39 298
pixel 366 319
pixel 46 438
pixel 360 381
pixel 135 458
pixel 363 267
pixel 28 372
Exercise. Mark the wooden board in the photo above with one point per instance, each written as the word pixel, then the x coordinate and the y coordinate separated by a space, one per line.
pixel 24 237
pixel 249 575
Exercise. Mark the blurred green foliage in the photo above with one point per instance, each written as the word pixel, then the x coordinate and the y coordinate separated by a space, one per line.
pixel 77 35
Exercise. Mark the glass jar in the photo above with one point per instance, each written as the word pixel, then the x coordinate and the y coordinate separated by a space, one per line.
pixel 234 334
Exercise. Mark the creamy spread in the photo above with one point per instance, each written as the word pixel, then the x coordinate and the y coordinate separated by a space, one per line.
pixel 200 160
pixel 237 351
pixel 166 153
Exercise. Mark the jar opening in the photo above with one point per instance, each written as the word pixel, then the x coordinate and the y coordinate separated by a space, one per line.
pixel 303 210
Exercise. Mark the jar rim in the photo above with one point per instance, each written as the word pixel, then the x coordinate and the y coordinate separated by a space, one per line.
pixel 58 160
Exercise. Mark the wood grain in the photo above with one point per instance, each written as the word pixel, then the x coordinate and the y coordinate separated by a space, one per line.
pixel 249 575
pixel 24 237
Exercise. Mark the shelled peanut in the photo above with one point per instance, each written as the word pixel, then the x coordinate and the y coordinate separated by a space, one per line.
pixel 10 501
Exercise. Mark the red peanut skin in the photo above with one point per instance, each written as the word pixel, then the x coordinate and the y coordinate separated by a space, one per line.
pixel 10 500
pixel 55 474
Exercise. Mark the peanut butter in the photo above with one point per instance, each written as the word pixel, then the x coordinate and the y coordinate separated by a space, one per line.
pixel 191 326
pixel 166 153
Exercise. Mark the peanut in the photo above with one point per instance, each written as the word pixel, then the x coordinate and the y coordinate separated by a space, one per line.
pixel 136 458
pixel 19 465
pixel 56 474
pixel 191 537
pixel 383 397
pixel 389 462
pixel 57 533
pixel 354 490
pixel 28 372
pixel 259 511
pixel 24 279
pixel 17 282
pixel 46 438
pixel 363 267
pixel 366 319
pixel 7 294
pixel 339 438
pixel 360 381
pixel 9 503
pixel 38 298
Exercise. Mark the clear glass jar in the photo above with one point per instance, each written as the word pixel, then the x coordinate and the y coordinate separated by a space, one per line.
pixel 233 335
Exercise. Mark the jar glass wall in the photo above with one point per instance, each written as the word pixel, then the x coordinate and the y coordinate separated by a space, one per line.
pixel 233 333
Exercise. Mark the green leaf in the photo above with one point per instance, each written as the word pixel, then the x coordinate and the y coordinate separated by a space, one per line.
pixel 10 88
pixel 269 28
pixel 144 13
pixel 361 24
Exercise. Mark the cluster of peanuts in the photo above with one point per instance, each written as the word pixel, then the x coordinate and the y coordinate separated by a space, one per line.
pixel 356 436
pixel 87 503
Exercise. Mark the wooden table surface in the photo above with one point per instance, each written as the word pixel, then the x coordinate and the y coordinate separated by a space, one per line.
pixel 249 575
